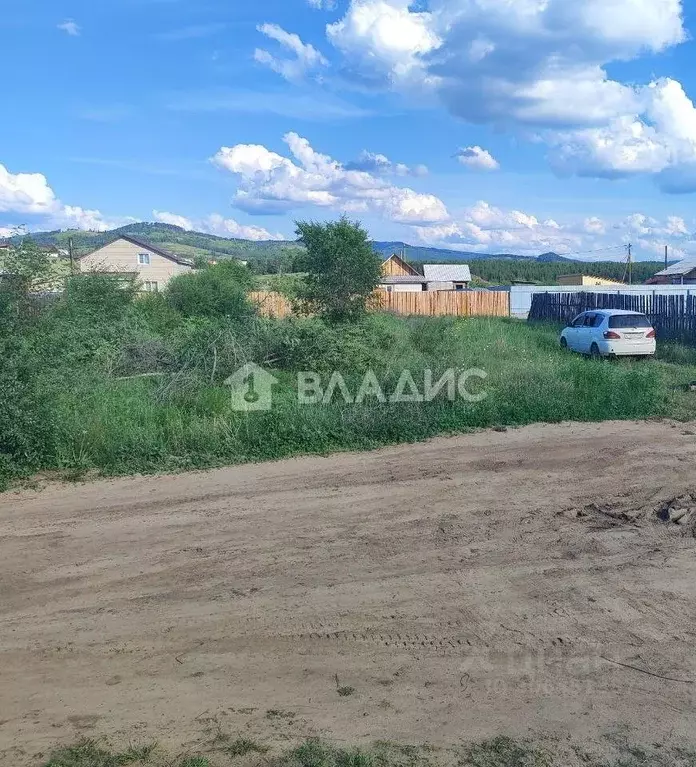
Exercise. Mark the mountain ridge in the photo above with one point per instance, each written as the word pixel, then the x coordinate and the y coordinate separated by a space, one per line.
pixel 210 245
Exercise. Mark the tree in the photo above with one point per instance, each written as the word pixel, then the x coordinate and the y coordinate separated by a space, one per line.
pixel 343 269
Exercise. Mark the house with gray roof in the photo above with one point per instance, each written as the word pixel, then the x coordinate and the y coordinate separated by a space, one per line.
pixel 398 276
pixel 681 273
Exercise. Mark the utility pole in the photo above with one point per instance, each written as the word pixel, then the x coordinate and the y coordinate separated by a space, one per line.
pixel 629 247
pixel 666 256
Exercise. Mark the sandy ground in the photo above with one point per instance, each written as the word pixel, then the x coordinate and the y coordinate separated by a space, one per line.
pixel 465 587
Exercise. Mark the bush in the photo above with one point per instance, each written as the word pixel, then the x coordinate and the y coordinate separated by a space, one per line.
pixel 98 296
pixel 27 415
pixel 154 311
pixel 218 291
pixel 312 344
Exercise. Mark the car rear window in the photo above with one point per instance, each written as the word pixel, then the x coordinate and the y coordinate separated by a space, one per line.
pixel 619 321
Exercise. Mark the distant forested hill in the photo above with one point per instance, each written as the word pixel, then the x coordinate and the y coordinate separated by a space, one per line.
pixel 273 257
pixel 440 255
pixel 268 256
pixel 504 272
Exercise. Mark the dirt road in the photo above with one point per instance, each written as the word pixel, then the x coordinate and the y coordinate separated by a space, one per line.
pixel 464 587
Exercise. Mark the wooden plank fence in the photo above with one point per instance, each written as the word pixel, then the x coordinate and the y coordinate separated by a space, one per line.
pixel 271 304
pixel 444 303
pixel 672 316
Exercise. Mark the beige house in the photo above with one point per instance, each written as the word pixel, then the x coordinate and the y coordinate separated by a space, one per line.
pixel 153 265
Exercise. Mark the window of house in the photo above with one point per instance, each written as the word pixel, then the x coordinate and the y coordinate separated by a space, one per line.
pixel 459 286
pixel 144 259
pixel 151 287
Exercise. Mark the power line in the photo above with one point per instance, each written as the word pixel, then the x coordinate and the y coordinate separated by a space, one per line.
pixel 598 250
pixel 612 249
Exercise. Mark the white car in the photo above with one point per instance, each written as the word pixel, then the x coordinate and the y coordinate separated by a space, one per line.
pixel 610 333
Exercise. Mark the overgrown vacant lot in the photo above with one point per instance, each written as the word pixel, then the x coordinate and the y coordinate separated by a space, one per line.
pixel 511 599
pixel 100 382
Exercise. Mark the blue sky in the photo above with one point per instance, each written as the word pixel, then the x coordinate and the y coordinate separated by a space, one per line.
pixel 484 125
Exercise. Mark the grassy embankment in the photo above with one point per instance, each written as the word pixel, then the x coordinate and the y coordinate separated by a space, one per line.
pixel 86 404
pixel 184 420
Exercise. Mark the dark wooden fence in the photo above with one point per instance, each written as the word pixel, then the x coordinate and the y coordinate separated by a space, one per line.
pixel 672 316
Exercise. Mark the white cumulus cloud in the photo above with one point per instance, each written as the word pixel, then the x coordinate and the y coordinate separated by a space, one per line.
pixel 477 158
pixel 70 27
pixel 272 183
pixel 164 217
pixel 380 164
pixel 487 228
pixel 305 59
pixel 385 40
pixel 594 225
pixel 535 64
pixel 228 227
pixel 216 224
pixel 658 139
pixel 30 194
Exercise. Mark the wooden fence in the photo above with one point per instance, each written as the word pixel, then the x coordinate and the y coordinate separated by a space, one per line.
pixel 271 304
pixel 430 304
pixel 672 316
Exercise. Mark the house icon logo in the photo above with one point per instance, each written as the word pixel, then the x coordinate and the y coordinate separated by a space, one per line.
pixel 252 388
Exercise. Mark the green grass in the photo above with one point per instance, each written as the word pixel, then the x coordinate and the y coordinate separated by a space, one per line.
pixel 88 753
pixel 242 747
pixel 121 427
pixel 505 752
pixel 92 421
pixel 501 751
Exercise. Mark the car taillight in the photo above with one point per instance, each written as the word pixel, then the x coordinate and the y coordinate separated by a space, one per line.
pixel 610 335
pixel 651 334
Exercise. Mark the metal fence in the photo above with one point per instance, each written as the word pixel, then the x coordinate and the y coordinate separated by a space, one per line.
pixel 672 316
pixel 521 296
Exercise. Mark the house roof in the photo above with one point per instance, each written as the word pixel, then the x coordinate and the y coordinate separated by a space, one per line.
pixel 147 246
pixel 681 267
pixel 447 272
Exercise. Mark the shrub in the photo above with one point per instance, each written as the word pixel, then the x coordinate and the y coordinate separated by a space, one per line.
pixel 27 416
pixel 155 311
pixel 218 291
pixel 98 296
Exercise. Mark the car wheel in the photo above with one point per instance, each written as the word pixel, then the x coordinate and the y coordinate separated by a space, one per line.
pixel 564 343
pixel 595 353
